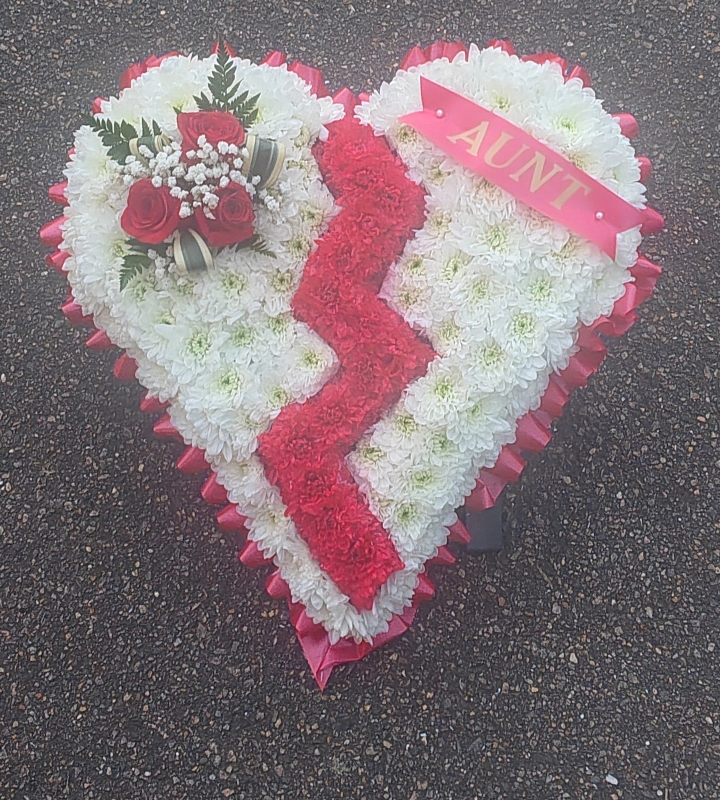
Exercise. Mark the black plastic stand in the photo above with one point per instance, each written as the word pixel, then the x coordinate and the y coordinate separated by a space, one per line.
pixel 485 528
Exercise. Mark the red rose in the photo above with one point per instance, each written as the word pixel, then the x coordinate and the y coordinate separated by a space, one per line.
pixel 234 217
pixel 136 70
pixel 216 126
pixel 152 214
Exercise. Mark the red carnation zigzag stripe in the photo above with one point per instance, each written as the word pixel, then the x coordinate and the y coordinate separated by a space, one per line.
pixel 304 450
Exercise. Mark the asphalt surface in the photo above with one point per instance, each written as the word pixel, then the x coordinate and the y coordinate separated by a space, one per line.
pixel 138 659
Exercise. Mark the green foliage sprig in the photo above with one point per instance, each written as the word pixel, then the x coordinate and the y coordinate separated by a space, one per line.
pixel 116 136
pixel 260 246
pixel 223 88
pixel 255 244
pixel 134 262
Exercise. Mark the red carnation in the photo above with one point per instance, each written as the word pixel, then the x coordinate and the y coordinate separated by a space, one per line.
pixel 234 217
pixel 152 214
pixel 378 353
pixel 316 491
pixel 136 70
pixel 215 126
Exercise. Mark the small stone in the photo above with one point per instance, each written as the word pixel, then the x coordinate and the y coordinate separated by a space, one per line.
pixel 611 779
pixel 573 658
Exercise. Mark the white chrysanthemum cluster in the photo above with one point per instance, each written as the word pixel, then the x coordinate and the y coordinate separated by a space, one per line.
pixel 499 290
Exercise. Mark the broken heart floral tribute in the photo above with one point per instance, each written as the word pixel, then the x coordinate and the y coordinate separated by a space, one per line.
pixel 353 330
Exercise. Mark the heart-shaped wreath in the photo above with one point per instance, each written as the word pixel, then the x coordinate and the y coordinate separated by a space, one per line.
pixel 358 312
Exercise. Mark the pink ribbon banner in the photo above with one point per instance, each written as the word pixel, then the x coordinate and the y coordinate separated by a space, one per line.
pixel 517 162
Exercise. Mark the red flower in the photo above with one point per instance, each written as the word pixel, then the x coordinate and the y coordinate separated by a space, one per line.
pixel 152 214
pixel 136 70
pixel 234 217
pixel 316 490
pixel 304 451
pixel 216 126
pixel 301 448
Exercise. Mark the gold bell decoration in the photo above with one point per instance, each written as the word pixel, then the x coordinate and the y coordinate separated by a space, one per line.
pixel 191 253
pixel 153 143
pixel 265 159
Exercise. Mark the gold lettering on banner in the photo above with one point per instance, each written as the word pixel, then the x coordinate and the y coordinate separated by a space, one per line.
pixel 565 195
pixel 537 164
pixel 474 137
pixel 497 146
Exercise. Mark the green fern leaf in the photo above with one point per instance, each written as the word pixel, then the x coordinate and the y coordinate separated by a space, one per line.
pixel 259 245
pixel 127 131
pixel 224 90
pixel 203 103
pixel 134 262
pixel 136 246
pixel 118 151
pixel 116 136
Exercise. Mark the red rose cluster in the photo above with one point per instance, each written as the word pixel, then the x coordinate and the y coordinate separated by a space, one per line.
pixel 153 213
pixel 304 451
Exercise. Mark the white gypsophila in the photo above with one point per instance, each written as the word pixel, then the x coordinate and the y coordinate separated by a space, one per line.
pixel 499 290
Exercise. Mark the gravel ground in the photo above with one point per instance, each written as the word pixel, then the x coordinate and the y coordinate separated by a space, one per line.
pixel 139 660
